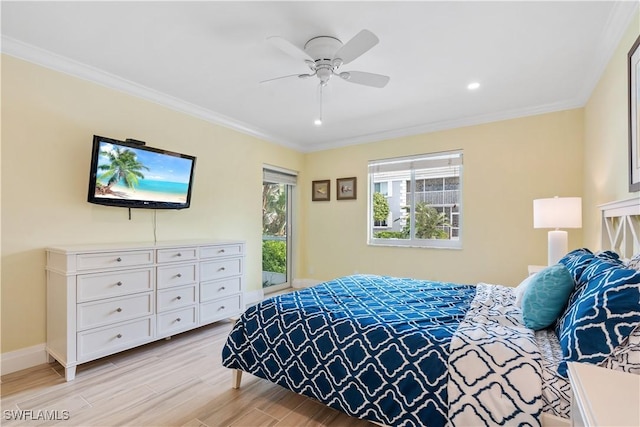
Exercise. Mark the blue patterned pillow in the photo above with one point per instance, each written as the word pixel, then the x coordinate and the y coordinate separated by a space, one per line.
pixel 604 313
pixel 609 256
pixel 576 261
pixel 546 296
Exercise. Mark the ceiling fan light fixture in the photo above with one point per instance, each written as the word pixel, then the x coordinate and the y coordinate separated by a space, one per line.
pixel 324 74
pixel 317 122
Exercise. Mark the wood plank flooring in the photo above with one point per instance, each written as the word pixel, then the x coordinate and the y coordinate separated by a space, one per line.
pixel 176 382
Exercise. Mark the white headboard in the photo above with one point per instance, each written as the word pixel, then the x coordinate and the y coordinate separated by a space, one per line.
pixel 621 227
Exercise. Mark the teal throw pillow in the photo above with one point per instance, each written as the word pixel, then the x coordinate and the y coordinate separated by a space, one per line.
pixel 546 296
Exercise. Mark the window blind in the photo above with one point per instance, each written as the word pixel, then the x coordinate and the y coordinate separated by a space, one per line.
pixel 438 160
pixel 279 176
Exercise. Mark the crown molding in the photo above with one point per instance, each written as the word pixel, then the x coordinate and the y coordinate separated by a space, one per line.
pixel 451 124
pixel 63 64
pixel 619 19
pixel 617 24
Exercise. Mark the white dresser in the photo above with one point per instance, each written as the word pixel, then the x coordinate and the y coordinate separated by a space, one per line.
pixel 102 299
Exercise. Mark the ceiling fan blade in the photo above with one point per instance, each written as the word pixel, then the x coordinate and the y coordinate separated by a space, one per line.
pixel 359 44
pixel 367 79
pixel 302 76
pixel 289 48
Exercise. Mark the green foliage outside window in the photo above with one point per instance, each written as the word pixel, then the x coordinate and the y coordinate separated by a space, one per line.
pixel 274 256
pixel 429 222
pixel 380 208
pixel 429 225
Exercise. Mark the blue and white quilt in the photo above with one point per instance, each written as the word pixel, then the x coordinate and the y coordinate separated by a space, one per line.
pixel 380 348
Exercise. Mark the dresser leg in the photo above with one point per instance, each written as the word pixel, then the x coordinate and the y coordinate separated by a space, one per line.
pixel 236 377
pixel 70 373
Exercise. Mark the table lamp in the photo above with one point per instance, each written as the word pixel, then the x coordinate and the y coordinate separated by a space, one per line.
pixel 556 213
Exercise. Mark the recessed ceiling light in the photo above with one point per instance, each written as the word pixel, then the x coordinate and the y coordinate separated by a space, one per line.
pixel 473 86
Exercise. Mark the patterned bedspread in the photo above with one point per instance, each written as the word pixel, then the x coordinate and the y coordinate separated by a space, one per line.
pixel 373 347
pixel 380 348
pixel 495 365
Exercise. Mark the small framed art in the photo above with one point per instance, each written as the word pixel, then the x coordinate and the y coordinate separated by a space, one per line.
pixel 634 117
pixel 347 188
pixel 321 190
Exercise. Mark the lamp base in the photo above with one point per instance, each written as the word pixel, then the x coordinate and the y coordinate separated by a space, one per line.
pixel 558 246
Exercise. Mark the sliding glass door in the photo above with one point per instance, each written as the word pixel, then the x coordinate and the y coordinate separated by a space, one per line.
pixel 277 194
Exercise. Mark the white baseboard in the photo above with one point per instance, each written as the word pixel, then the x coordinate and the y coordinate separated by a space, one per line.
pixel 304 283
pixel 24 358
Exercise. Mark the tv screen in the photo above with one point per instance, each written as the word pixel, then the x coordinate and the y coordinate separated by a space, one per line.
pixel 133 175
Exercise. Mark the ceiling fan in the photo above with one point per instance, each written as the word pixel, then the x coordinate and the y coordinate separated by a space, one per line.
pixel 324 55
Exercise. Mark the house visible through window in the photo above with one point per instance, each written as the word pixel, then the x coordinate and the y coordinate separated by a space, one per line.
pixel 425 191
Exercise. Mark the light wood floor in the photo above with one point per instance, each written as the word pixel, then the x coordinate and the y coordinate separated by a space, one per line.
pixel 177 382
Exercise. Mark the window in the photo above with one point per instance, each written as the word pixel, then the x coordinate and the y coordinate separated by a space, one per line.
pixel 382 188
pixel 277 215
pixel 416 201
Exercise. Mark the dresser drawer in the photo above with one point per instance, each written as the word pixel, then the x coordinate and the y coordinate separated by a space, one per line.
pixel 177 255
pixel 176 275
pixel 220 269
pixel 219 309
pixel 99 342
pixel 105 285
pixel 231 249
pixel 175 321
pixel 113 310
pixel 220 288
pixel 177 297
pixel 114 260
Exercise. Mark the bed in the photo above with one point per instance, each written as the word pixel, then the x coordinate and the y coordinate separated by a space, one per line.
pixel 406 352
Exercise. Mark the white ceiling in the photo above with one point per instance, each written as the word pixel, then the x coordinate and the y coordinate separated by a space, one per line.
pixel 207 59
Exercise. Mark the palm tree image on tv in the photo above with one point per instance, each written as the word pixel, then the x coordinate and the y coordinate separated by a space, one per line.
pixel 122 167
pixel 130 173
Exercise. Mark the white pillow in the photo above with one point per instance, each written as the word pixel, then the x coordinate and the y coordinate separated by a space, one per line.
pixel 521 288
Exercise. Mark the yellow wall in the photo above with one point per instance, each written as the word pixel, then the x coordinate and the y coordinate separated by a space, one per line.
pixel 48 120
pixel 606 139
pixel 506 165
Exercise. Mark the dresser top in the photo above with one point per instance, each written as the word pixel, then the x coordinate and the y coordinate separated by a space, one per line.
pixel 119 246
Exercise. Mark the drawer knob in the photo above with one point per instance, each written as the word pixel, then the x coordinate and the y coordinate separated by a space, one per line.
pixel 118 309
pixel 222 289
pixel 119 284
pixel 178 319
pixel 221 269
pixel 119 336
pixel 119 259
pixel 178 254
pixel 221 307
pixel 179 275
pixel 178 297
pixel 221 251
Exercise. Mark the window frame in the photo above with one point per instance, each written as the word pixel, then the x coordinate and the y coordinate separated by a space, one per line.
pixel 455 156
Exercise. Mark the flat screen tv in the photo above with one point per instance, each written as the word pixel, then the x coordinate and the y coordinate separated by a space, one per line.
pixel 133 175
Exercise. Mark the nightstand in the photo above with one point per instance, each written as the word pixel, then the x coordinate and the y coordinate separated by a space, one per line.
pixel 533 269
pixel 603 397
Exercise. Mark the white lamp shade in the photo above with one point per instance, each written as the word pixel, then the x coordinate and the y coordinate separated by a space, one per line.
pixel 557 212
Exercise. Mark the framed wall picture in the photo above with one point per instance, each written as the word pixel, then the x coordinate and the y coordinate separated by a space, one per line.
pixel 347 188
pixel 634 117
pixel 321 190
